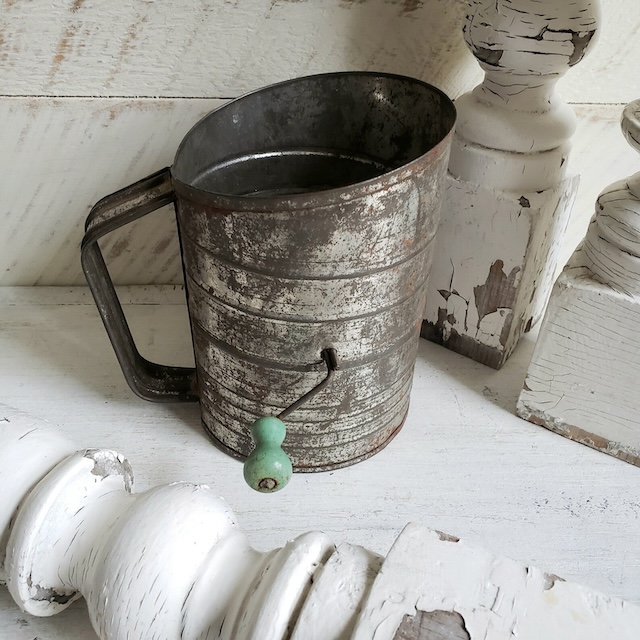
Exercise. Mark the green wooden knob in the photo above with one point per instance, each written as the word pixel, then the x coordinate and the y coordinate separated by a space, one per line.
pixel 268 468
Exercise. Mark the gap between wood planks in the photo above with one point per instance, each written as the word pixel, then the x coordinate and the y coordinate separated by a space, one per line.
pixel 124 97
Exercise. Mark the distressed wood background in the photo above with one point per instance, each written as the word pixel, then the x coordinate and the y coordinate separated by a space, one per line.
pixel 95 95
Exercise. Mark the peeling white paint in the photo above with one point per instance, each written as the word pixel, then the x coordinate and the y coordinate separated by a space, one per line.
pixel 509 195
pixel 582 380
pixel 172 564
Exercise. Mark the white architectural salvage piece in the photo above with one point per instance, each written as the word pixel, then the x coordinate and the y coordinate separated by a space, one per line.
pixel 172 564
pixel 509 194
pixel 584 374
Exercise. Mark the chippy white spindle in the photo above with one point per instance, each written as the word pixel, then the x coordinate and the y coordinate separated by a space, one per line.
pixel 583 377
pixel 172 564
pixel 508 197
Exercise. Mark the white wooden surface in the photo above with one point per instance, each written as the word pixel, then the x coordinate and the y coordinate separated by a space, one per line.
pixel 463 462
pixel 221 48
pixel 94 95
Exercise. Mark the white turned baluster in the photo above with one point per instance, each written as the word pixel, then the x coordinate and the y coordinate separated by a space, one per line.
pixel 583 376
pixel 507 201
pixel 28 450
pixel 172 564
pixel 612 243
pixel 151 565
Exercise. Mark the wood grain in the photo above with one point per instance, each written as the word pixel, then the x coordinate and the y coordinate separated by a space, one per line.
pixel 432 625
pixel 59 156
pixel 221 49
pixel 142 48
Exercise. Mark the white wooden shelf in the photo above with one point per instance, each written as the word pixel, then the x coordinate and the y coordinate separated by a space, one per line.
pixel 463 463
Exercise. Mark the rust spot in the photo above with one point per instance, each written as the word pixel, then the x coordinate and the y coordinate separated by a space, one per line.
pixel 62 49
pixel 76 5
pixel 432 625
pixel 498 291
pixel 9 3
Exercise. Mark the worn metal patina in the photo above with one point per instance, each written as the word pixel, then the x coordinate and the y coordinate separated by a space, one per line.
pixel 306 213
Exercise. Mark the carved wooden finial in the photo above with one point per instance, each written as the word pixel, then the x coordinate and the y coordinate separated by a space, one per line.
pixel 523 46
pixel 612 244
pixel 509 195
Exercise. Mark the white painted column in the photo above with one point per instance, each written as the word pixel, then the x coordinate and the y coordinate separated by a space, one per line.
pixel 172 564
pixel 583 378
pixel 509 194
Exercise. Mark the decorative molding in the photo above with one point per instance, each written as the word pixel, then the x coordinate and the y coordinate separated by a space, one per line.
pixel 172 564
pixel 509 196
pixel 582 379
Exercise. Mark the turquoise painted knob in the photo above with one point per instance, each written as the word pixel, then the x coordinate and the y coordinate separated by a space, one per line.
pixel 268 468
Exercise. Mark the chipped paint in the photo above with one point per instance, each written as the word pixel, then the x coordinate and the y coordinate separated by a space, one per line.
pixel 509 197
pixel 432 625
pixel 76 534
pixel 497 292
pixel 592 440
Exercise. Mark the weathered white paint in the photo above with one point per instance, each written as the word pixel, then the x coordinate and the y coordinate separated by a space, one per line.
pixel 222 49
pixel 493 267
pixel 462 463
pixel 582 381
pixel 172 564
pixel 30 448
pixel 98 146
pixel 508 199
pixel 98 143
pixel 495 597
pixel 339 590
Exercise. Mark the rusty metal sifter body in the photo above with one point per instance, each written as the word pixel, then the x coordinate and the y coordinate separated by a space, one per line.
pixel 306 213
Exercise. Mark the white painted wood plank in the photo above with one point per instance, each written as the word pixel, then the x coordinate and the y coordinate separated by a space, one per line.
pixel 223 49
pixel 463 462
pixel 59 156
